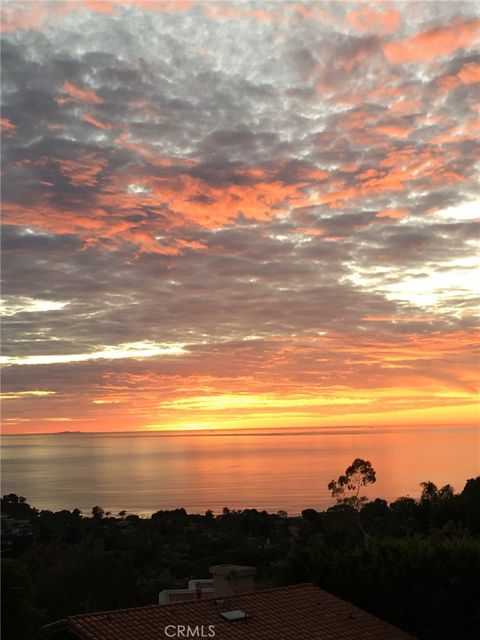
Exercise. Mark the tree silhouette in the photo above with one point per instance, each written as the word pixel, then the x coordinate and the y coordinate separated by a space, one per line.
pixel 431 493
pixel 357 475
pixel 21 620
pixel 347 488
pixel 97 512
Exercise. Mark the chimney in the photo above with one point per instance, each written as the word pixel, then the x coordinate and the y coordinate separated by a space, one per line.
pixel 230 579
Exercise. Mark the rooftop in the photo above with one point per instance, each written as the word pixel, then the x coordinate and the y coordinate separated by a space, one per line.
pixel 300 612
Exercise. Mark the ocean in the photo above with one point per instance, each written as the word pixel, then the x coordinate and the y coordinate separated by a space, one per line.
pixel 273 470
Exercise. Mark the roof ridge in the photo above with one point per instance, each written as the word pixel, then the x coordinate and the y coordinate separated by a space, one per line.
pixel 284 588
pixel 174 604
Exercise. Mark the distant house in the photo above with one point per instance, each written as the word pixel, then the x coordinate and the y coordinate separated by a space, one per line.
pixel 228 580
pixel 300 612
pixel 196 590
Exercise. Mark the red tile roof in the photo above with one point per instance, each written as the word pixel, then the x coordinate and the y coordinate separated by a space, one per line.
pixel 300 612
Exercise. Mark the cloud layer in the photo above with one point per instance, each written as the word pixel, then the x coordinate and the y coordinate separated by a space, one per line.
pixel 239 213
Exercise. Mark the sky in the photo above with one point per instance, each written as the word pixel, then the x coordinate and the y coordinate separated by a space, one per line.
pixel 239 214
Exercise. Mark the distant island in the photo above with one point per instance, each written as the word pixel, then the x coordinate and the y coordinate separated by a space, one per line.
pixel 61 433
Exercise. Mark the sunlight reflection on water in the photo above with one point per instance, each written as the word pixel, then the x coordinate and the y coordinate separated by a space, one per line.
pixel 144 472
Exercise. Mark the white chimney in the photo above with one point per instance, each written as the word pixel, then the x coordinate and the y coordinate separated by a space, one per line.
pixel 230 579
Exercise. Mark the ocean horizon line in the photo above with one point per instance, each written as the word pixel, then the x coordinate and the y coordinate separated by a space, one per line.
pixel 231 431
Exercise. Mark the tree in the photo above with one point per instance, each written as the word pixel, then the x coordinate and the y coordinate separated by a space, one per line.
pixel 357 475
pixel 310 515
pixel 21 620
pixel 470 498
pixel 347 488
pixel 17 507
pixel 97 512
pixel 429 491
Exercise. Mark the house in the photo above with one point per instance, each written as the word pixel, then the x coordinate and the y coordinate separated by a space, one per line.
pixel 196 590
pixel 299 612
pixel 228 580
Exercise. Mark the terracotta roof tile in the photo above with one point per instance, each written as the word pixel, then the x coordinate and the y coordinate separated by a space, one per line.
pixel 300 612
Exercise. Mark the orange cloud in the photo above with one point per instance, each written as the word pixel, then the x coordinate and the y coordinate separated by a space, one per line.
pixel 191 244
pixel 467 131
pixel 393 214
pixel 195 201
pixel 383 181
pixel 412 164
pixel 112 6
pixel 219 11
pixel 406 106
pixel 470 73
pixel 310 11
pixel 101 6
pixel 367 19
pixel 7 126
pixel 355 119
pixel 30 16
pixel 397 130
pixel 311 232
pixel 397 168
pixel 96 123
pixel 313 175
pixel 185 200
pixel 83 172
pixel 38 16
pixel 383 92
pixel 437 42
pixel 76 94
pixel 261 15
pixel 179 6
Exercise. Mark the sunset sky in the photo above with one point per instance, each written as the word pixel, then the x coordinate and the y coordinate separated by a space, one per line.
pixel 221 215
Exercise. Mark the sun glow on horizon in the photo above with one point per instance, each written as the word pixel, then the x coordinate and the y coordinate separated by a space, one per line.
pixel 455 416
